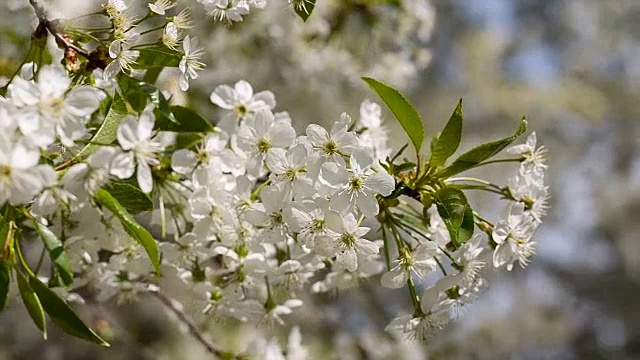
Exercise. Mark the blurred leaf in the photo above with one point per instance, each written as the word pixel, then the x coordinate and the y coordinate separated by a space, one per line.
pixel 454 210
pixel 481 153
pixel 447 142
pixel 32 303
pixel 402 109
pixel 157 56
pixel 132 92
pixel 187 120
pixel 304 8
pixel 56 251
pixel 5 280
pixel 131 226
pixel 63 315
pixel 106 134
pixel 130 196
pixel 162 109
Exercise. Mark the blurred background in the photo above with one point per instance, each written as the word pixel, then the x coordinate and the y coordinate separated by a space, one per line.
pixel 570 66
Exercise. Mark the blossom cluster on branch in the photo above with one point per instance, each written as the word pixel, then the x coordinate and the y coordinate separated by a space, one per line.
pixel 247 216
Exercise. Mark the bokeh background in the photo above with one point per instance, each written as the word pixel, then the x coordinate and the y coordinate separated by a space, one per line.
pixel 570 66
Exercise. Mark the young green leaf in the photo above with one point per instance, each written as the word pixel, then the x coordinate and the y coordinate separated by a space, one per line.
pixel 481 153
pixel 131 226
pixel 63 315
pixel 454 209
pixel 402 109
pixel 5 280
pixel 158 56
pixel 304 8
pixel 56 252
pixel 130 196
pixel 32 303
pixel 106 134
pixel 447 142
pixel 132 92
pixel 186 120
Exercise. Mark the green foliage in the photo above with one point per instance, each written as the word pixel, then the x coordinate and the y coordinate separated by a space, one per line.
pixel 132 93
pixel 157 57
pixel 106 133
pixel 131 226
pixel 455 211
pixel 475 156
pixel 5 280
pixel 304 8
pixel 56 251
pixel 130 196
pixel 446 143
pixel 402 109
pixel 32 303
pixel 63 315
pixel 186 120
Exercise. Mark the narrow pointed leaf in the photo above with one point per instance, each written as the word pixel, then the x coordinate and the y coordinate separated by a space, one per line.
pixel 131 226
pixel 130 196
pixel 32 303
pixel 106 134
pixel 402 109
pixel 304 8
pixel 187 120
pixel 447 142
pixel 157 57
pixel 5 281
pixel 62 314
pixel 56 251
pixel 481 153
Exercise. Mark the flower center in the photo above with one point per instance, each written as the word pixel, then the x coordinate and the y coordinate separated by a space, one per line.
pixel 330 147
pixel 241 110
pixel 355 183
pixel 264 145
pixel 5 171
pixel 348 240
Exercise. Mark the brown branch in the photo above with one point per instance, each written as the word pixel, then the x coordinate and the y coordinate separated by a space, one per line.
pixel 53 26
pixel 211 347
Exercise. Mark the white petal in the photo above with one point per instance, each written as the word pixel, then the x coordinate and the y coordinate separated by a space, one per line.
pixel 224 96
pixel 244 91
pixel 145 125
pixel 394 279
pixel 126 133
pixel 123 165
pixel 381 183
pixel 145 180
pixel 347 259
pixel 368 205
pixel 183 161
pixel 83 101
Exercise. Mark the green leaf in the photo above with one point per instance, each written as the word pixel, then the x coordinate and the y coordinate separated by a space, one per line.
pixel 481 153
pixel 304 8
pixel 32 303
pixel 402 109
pixel 106 134
pixel 131 226
pixel 132 92
pixel 447 142
pixel 186 120
pixel 5 280
pixel 56 251
pixel 62 314
pixel 157 56
pixel 4 232
pixel 456 213
pixel 162 109
pixel 130 196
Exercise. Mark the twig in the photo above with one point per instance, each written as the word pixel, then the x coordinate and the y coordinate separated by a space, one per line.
pixel 52 27
pixel 170 304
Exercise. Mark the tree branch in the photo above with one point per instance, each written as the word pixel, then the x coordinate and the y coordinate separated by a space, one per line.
pixel 211 347
pixel 53 26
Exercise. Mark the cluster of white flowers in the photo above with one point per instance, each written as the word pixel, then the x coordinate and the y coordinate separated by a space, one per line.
pixel 248 216
pixel 510 241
